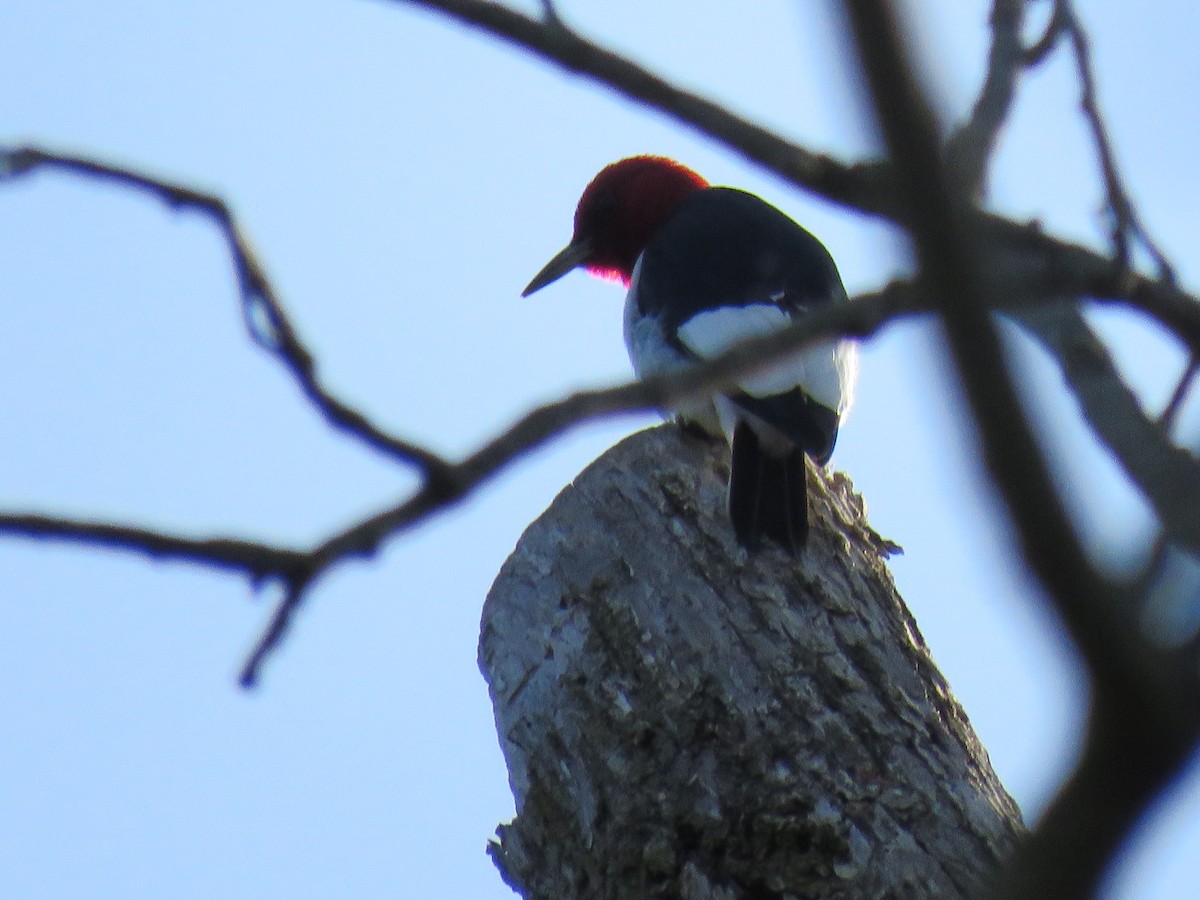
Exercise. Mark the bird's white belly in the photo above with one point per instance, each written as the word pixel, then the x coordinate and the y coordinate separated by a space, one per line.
pixel 650 354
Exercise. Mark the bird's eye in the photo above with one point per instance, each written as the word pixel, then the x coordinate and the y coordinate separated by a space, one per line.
pixel 602 210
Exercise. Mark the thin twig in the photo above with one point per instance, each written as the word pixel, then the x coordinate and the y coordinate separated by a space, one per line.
pixel 550 14
pixel 1037 52
pixel 1170 413
pixel 1126 223
pixel 266 321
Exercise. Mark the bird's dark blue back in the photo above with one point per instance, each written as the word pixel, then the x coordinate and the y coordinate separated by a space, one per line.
pixel 725 247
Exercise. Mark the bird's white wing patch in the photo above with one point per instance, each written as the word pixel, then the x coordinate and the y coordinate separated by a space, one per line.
pixel 825 371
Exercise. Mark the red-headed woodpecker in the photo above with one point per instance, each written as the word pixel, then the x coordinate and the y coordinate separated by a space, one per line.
pixel 707 267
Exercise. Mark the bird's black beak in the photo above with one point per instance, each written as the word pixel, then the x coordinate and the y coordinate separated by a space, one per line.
pixel 570 257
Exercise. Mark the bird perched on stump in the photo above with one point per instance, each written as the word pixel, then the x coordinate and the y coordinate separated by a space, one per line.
pixel 708 267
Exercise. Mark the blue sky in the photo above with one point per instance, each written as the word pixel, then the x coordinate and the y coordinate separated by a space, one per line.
pixel 402 180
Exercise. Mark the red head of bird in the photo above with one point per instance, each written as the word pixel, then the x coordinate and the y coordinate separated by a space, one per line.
pixel 619 212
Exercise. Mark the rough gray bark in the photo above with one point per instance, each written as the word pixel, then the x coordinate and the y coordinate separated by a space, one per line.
pixel 681 719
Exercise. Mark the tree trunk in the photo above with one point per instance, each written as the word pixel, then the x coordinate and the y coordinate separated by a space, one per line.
pixel 683 719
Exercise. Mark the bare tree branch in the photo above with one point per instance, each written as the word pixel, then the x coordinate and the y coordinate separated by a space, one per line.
pixel 1144 713
pixel 266 321
pixel 258 562
pixel 947 259
pixel 1167 476
pixel 1126 223
pixel 860 187
pixel 969 149
pixel 1129 757
pixel 1025 257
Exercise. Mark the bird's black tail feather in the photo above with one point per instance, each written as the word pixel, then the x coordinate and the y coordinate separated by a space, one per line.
pixel 768 495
